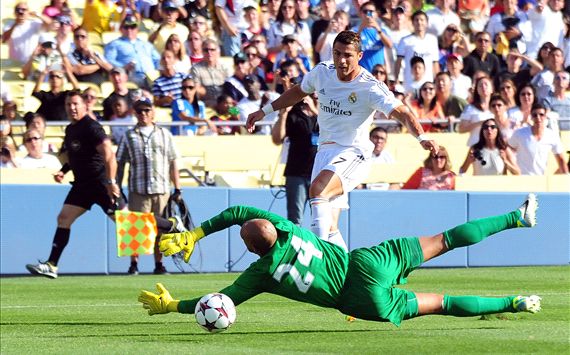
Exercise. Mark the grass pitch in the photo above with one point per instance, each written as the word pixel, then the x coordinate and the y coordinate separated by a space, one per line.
pixel 99 314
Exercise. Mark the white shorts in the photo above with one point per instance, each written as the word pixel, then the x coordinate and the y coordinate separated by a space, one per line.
pixel 350 164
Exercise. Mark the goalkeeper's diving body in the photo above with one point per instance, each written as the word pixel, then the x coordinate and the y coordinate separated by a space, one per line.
pixel 296 264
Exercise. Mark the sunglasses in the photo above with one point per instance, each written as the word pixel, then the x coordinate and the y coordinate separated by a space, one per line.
pixel 31 139
pixel 80 36
pixel 451 29
pixel 21 10
pixel 188 87
pixel 59 76
pixel 439 157
pixel 143 110
pixel 376 72
pixel 257 41
pixel 489 126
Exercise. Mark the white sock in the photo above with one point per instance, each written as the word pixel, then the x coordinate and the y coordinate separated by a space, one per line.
pixel 321 213
pixel 336 239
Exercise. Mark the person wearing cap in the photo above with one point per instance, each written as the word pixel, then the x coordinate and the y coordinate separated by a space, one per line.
pixel 256 97
pixel 22 34
pixel 151 154
pixel 138 57
pixel 119 78
pixel 167 26
pixel 234 86
pixel 292 50
pixel 441 16
pixel 230 13
pixel 87 64
pixel 418 44
pixel 210 74
pixel 374 38
pixel 52 105
pixel 99 14
pixel 46 56
pixel 198 8
pixel 168 86
pixel 348 96
pixel 64 34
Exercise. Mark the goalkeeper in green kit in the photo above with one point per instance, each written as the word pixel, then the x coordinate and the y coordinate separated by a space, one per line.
pixel 296 264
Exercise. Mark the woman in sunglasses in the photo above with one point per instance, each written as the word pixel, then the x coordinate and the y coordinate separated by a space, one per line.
pixel 33 143
pixel 491 155
pixel 436 174
pixel 190 109
pixel 428 110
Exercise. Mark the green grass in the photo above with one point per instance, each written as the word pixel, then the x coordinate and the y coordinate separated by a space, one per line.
pixel 99 314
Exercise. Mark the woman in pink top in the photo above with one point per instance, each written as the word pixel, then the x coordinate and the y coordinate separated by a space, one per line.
pixel 436 174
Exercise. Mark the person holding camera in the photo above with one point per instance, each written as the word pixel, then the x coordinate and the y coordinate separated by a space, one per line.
pixel 491 155
pixel 46 56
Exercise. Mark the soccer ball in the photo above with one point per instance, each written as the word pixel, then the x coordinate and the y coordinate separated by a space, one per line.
pixel 215 312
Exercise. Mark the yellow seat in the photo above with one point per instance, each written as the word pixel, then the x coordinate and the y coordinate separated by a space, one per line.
pixel 558 183
pixel 95 39
pixel 390 173
pixel 520 183
pixel 31 176
pixel 162 114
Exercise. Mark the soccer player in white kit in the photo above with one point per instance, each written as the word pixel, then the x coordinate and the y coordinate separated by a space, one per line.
pixel 348 97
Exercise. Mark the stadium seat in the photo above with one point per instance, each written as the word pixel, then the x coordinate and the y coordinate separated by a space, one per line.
pixel 40 176
pixel 525 183
pixel 558 183
pixel 95 39
pixel 390 173
pixel 162 114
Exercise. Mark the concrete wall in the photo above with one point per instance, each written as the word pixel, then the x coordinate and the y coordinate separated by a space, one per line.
pixel 28 221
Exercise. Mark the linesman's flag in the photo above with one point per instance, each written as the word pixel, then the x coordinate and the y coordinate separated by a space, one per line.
pixel 136 233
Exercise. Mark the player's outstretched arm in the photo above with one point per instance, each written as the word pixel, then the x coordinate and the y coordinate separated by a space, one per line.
pixel 406 117
pixel 288 98
pixel 158 303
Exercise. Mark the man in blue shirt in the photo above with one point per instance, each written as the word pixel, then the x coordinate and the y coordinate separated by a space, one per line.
pixel 136 56
pixel 373 37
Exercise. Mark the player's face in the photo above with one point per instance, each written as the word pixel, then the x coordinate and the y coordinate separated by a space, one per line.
pixel 346 58
pixel 75 108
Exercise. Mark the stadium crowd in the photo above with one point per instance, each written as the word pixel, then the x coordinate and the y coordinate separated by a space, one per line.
pixel 460 66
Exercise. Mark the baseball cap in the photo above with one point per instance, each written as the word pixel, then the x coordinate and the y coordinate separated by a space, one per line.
pixel 399 89
pixel 169 5
pixel 144 102
pixel 288 38
pixel 47 40
pixel 454 56
pixel 64 20
pixel 118 70
pixel 399 9
pixel 130 20
pixel 240 57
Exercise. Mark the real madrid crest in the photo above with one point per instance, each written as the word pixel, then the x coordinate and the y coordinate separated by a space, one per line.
pixel 352 97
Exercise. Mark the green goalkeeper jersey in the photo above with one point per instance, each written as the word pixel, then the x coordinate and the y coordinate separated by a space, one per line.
pixel 300 266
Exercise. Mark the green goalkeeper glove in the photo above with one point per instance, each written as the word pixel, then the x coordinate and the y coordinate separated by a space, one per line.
pixel 173 243
pixel 160 303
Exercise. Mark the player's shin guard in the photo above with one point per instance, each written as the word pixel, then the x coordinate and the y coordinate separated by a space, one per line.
pixel 336 238
pixel 468 306
pixel 60 240
pixel 321 213
pixel 475 231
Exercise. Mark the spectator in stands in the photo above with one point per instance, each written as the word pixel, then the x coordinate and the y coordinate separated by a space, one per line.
pixel 452 105
pixel 121 114
pixel 226 110
pixel 533 143
pixel 546 23
pixel 91 97
pixel 288 70
pixel 288 23
pixel 98 15
pixel 7 140
pixel 428 110
pixel 522 112
pixel 508 91
pixel 198 8
pixel 558 100
pixel 168 26
pixel 380 73
pixel 52 105
pixel 158 12
pixel 64 34
pixel 491 155
pixel 451 43
pixel 299 126
pixel 509 28
pixel 87 65
pixel 460 83
pixel 325 40
pixel 151 155
pixel 499 109
pixel 166 88
pixel 516 72
pixel 292 51
pixel 182 63
pixel 327 12
pixel 418 44
pixel 375 39
pixel 441 17
pixel 303 9
pixel 255 99
pixel 436 174
pixel 253 24
pixel 33 143
pixel 480 58
pixel 544 81
pixel 258 65
pixel 399 28
pixel 47 56
pixel 6 159
pixel 10 111
pixel 194 47
pixel 22 34
pixel 201 25
pixel 119 79
pixel 273 7
pixel 188 108
pixel 418 69
pixel 137 57
pixel 379 137
pixel 57 8
pixel 210 74
pixel 37 122
pixel 232 21
pixel 264 18
pixel 478 111
pixel 234 85
pixel 544 52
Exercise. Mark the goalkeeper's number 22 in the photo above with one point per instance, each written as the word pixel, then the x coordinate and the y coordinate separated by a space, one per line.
pixel 306 251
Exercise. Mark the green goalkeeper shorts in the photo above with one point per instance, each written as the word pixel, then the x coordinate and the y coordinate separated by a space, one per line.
pixel 369 291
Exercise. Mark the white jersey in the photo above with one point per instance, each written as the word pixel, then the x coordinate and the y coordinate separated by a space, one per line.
pixel 413 46
pixel 346 109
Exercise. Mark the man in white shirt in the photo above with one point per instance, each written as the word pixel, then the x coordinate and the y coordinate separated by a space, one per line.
pixel 533 143
pixel 33 141
pixel 348 96
pixel 254 100
pixel 441 16
pixel 22 35
pixel 379 137
pixel 547 25
pixel 418 44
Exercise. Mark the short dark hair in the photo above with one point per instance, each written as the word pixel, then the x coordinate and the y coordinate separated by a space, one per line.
pixel 377 129
pixel 416 60
pixel 498 97
pixel 349 37
pixel 538 106
pixel 419 13
pixel 75 92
